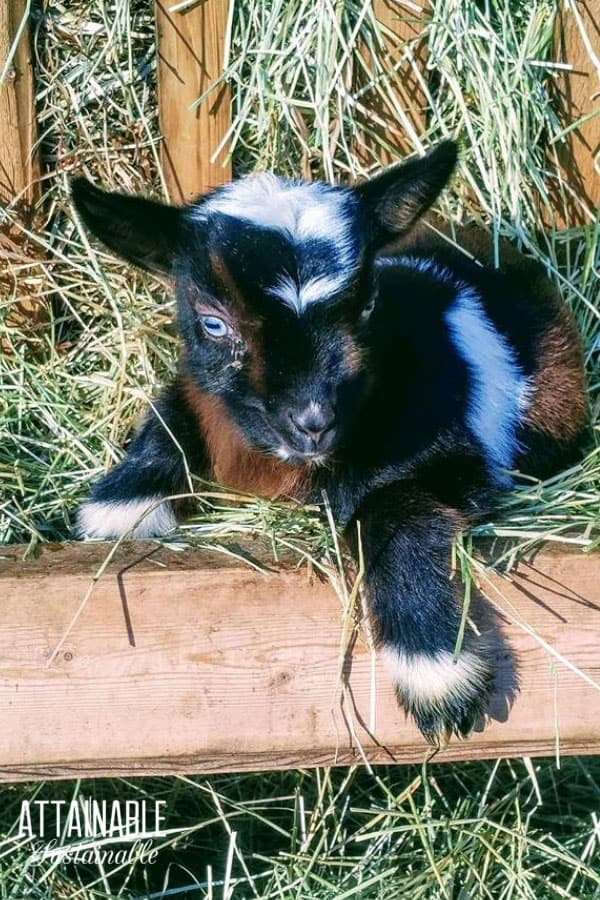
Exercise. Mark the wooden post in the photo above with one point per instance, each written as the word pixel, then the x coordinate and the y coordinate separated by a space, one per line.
pixel 577 42
pixel 19 164
pixel 190 58
pixel 400 120
pixel 19 159
pixel 194 662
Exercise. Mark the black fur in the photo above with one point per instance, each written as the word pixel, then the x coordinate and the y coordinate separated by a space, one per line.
pixel 154 466
pixel 366 379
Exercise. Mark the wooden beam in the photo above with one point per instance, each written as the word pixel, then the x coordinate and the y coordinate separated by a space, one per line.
pixel 194 662
pixel 19 162
pixel 577 42
pixel 19 167
pixel 190 58
pixel 400 118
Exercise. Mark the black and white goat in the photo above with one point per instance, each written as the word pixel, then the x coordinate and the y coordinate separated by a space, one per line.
pixel 408 385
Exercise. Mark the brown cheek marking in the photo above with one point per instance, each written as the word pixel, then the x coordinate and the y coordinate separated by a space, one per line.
pixel 352 355
pixel 255 368
pixel 226 278
pixel 234 462
pixel 558 402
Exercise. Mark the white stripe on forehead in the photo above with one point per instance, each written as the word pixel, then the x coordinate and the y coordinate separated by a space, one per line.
pixel 299 296
pixel 301 212
pixel 302 209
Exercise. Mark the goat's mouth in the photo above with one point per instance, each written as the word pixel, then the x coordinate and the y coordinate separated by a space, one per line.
pixel 276 441
pixel 313 458
pixel 305 451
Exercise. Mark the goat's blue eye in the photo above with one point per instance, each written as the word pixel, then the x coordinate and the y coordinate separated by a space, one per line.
pixel 214 327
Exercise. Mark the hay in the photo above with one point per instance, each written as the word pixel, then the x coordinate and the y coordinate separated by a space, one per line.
pixel 72 391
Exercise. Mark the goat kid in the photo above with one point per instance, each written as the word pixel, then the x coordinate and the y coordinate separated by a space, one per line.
pixel 407 385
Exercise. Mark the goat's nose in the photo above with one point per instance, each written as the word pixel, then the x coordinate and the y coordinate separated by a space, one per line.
pixel 314 420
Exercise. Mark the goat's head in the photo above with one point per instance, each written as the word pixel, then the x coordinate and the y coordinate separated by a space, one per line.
pixel 275 286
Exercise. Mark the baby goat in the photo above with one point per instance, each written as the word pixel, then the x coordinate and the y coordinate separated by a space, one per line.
pixel 407 385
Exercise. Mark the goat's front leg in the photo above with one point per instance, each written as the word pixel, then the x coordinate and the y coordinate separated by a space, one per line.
pixel 415 607
pixel 133 497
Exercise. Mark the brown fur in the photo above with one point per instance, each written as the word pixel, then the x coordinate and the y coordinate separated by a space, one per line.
pixel 233 462
pixel 558 400
pixel 224 275
pixel 255 369
pixel 353 356
pixel 250 328
pixel 558 403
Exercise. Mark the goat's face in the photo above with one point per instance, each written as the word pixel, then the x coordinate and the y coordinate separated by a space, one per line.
pixel 275 288
pixel 274 300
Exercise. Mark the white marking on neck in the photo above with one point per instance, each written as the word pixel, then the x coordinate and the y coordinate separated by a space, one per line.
pixel 498 389
pixel 432 679
pixel 105 521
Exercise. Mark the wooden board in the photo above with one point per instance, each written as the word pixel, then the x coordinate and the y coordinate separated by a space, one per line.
pixel 190 58
pixel 195 662
pixel 577 42
pixel 19 164
pixel 401 120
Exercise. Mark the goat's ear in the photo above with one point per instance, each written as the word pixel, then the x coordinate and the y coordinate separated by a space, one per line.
pixel 143 232
pixel 394 201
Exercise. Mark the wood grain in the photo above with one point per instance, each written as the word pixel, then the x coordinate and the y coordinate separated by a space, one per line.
pixel 190 58
pixel 194 662
pixel 19 169
pixel 578 96
pixel 401 121
pixel 19 163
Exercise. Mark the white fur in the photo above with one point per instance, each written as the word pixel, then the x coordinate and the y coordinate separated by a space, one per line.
pixel 420 264
pixel 302 209
pixel 302 212
pixel 498 387
pixel 432 679
pixel 524 395
pixel 499 391
pixel 103 521
pixel 299 296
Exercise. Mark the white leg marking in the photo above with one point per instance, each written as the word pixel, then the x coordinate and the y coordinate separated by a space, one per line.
pixel 432 679
pixel 103 521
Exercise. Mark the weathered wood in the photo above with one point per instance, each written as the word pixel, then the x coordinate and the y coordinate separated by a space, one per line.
pixel 190 58
pixel 194 662
pixel 19 163
pixel 19 166
pixel 577 43
pixel 400 118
